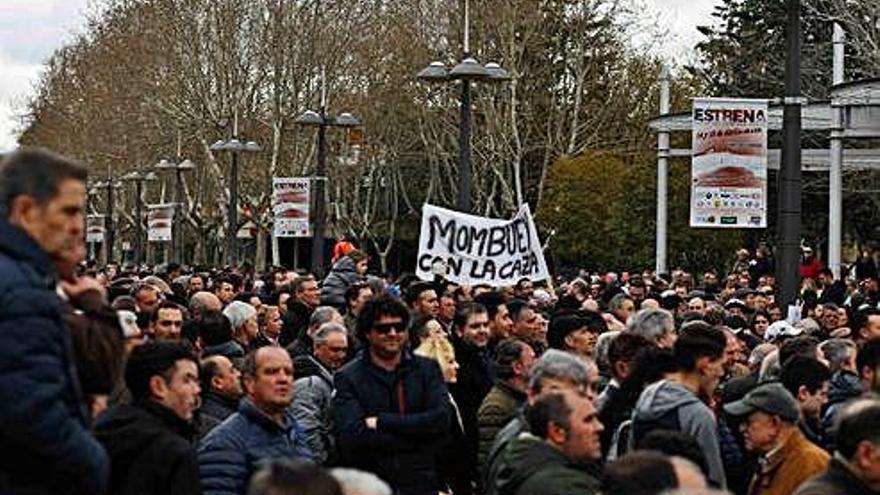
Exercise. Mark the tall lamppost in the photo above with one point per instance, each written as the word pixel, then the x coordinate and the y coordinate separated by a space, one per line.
pixel 109 184
pixel 320 120
pixel 138 178
pixel 466 71
pixel 235 147
pixel 177 231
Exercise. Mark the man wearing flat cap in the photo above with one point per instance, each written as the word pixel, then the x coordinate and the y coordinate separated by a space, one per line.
pixel 769 425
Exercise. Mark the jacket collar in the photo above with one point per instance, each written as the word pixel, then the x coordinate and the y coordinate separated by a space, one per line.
pixel 512 391
pixel 249 410
pixel 795 441
pixel 168 418
pixel 17 244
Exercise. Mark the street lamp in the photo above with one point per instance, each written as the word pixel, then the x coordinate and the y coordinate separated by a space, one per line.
pixel 235 147
pixel 466 71
pixel 177 231
pixel 110 184
pixel 138 178
pixel 320 120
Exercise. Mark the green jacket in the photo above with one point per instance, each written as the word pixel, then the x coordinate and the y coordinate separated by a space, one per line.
pixel 530 466
pixel 497 409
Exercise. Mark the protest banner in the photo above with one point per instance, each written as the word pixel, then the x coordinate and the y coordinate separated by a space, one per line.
pixel 729 163
pixel 479 250
pixel 95 228
pixel 159 220
pixel 291 197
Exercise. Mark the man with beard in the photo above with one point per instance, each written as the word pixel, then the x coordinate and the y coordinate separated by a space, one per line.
pixel 390 408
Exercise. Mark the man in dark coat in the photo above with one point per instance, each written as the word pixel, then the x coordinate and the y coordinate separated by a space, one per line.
pixel 306 297
pixel 221 392
pixel 559 455
pixel 150 440
pixel 390 406
pixel 44 439
pixel 471 341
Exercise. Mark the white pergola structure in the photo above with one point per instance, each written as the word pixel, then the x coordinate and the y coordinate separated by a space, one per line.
pixel 853 113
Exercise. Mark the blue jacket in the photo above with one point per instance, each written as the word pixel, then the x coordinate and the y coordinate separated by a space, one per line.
pixel 411 405
pixel 45 445
pixel 342 276
pixel 235 449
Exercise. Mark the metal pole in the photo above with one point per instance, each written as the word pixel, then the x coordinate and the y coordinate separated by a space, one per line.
pixel 138 224
pixel 231 236
pixel 835 177
pixel 464 143
pixel 790 173
pixel 320 178
pixel 110 227
pixel 662 173
pixel 177 236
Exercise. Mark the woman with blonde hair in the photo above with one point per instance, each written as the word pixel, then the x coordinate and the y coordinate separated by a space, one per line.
pixel 454 473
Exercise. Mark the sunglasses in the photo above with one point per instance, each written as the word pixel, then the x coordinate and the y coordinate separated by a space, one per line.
pixel 385 328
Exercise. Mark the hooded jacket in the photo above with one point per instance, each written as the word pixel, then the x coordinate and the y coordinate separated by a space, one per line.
pixel 843 386
pixel 667 405
pixel 342 276
pixel 531 466
pixel 150 450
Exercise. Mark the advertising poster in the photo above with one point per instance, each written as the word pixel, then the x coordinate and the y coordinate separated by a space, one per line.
pixel 729 163
pixel 159 220
pixel 479 250
pixel 95 228
pixel 291 197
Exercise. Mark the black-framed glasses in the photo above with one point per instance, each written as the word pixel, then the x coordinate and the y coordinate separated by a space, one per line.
pixel 385 328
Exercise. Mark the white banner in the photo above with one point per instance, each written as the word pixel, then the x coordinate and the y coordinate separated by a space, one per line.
pixel 729 164
pixel 290 206
pixel 95 228
pixel 479 250
pixel 159 220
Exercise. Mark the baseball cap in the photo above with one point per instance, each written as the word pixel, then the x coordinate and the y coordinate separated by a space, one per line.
pixel 735 303
pixel 771 398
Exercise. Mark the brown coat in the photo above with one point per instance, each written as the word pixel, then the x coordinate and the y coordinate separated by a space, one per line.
pixel 786 469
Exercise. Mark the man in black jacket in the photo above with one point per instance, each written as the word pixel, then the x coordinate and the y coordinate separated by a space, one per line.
pixel 150 441
pixel 390 406
pixel 44 437
pixel 221 392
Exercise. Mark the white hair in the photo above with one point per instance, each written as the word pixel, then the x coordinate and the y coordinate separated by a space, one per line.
pixel 239 312
pixel 355 482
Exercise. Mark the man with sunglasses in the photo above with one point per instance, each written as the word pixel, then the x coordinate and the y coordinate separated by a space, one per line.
pixel 390 408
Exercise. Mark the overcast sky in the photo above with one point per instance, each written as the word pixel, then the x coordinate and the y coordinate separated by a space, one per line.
pixel 30 30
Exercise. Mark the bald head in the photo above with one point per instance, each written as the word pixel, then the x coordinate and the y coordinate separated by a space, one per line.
pixel 204 301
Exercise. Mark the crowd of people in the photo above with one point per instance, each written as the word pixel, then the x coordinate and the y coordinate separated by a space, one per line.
pixel 187 380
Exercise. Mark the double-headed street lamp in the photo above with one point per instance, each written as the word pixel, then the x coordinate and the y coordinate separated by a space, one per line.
pixel 320 120
pixel 176 234
pixel 466 71
pixel 235 147
pixel 138 178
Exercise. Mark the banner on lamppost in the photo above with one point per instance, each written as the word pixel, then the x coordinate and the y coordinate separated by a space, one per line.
pixel 159 220
pixel 291 197
pixel 479 250
pixel 95 228
pixel 729 163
